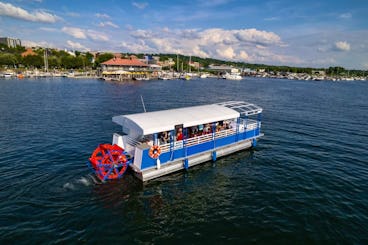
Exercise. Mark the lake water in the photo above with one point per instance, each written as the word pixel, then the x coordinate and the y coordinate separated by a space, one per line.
pixel 305 182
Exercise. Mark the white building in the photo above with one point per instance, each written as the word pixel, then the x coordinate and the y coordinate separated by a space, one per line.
pixel 10 42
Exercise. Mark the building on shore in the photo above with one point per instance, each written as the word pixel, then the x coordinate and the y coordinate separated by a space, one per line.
pixel 10 42
pixel 124 69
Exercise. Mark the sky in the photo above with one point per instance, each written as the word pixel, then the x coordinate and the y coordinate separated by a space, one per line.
pixel 300 33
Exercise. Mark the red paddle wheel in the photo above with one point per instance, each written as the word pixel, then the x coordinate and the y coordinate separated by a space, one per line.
pixel 109 162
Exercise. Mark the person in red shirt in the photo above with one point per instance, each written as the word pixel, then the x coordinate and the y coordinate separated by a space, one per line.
pixel 179 135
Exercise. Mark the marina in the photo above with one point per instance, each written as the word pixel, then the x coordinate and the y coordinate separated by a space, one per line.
pixel 305 181
pixel 165 122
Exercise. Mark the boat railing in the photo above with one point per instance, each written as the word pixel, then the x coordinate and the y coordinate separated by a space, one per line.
pixel 225 133
pixel 131 141
pixel 165 147
pixel 249 125
pixel 199 139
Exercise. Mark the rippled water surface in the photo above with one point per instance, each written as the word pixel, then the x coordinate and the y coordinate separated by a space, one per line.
pixel 305 182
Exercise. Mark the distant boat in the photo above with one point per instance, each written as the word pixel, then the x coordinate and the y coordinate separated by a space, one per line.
pixel 204 76
pixel 141 78
pixel 8 75
pixel 232 76
pixel 163 78
pixel 185 76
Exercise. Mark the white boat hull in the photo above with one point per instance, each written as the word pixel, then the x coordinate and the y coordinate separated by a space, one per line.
pixel 179 164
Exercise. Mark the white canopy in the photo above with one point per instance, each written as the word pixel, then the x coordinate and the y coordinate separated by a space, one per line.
pixel 160 121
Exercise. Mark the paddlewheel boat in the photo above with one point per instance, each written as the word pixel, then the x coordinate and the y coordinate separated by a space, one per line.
pixel 157 143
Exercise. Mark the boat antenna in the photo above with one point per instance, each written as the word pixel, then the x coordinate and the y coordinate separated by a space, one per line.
pixel 144 108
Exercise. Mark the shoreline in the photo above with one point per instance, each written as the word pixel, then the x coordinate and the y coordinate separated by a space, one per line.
pixel 165 75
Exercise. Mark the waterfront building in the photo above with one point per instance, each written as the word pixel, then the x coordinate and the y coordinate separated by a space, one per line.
pixel 220 68
pixel 124 69
pixel 10 42
pixel 131 64
pixel 195 64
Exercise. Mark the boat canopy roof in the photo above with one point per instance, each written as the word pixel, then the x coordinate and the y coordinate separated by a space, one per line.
pixel 166 120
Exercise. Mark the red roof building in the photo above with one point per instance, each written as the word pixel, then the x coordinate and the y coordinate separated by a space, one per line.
pixel 29 51
pixel 124 64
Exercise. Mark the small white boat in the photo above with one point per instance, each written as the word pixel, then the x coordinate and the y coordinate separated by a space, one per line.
pixel 157 143
pixel 141 78
pixel 232 76
pixel 8 75
pixel 164 78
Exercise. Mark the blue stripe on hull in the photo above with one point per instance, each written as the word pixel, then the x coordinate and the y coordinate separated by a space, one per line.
pixel 148 162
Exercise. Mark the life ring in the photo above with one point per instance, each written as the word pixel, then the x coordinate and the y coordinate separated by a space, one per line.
pixel 154 152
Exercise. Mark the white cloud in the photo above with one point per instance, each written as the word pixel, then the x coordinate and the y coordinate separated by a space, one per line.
pixel 74 32
pixel 256 36
pixel 345 16
pixel 342 46
pixel 140 5
pixel 97 36
pixel 49 29
pixel 85 34
pixel 225 52
pixel 239 44
pixel 243 55
pixel 28 43
pixel 142 34
pixel 73 14
pixel 108 23
pixel 103 16
pixel 7 9
pixel 76 46
pixel 139 47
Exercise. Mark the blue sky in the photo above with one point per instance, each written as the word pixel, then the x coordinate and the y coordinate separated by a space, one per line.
pixel 285 32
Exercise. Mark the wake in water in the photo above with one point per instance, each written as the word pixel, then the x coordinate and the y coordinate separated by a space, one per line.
pixel 82 181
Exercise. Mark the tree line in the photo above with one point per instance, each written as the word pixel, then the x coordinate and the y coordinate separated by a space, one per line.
pixel 11 57
pixel 59 59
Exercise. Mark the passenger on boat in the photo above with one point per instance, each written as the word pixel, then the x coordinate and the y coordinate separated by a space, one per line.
pixel 200 129
pixel 219 128
pixel 193 131
pixel 179 134
pixel 226 125
pixel 164 138
pixel 207 129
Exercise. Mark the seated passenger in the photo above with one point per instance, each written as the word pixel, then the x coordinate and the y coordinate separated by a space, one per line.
pixel 179 134
pixel 226 125
pixel 164 138
pixel 200 129
pixel 194 131
pixel 207 129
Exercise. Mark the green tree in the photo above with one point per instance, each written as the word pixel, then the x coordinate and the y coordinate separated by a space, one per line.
pixel 8 59
pixel 89 57
pixel 54 62
pixel 33 61
pixel 103 57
